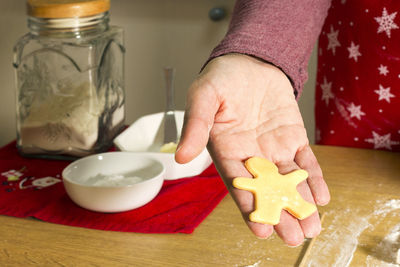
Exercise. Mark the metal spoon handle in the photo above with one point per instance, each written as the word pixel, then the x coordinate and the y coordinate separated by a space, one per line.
pixel 169 86
pixel 170 131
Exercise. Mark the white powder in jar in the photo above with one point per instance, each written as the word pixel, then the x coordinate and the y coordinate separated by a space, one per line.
pixel 67 123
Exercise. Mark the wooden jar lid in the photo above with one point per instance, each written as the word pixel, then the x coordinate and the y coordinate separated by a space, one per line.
pixel 66 8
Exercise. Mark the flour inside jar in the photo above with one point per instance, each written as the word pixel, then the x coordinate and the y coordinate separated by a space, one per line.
pixel 63 121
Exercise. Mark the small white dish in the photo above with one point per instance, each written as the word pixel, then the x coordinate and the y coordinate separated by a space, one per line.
pixel 141 135
pixel 113 181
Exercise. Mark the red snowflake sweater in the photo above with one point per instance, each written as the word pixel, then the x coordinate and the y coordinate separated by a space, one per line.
pixel 358 80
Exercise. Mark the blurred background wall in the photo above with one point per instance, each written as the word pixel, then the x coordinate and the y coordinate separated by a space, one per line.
pixel 158 33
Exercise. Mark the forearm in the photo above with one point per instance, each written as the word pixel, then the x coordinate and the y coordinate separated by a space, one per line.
pixel 282 32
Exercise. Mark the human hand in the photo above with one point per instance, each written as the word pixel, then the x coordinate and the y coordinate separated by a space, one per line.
pixel 241 107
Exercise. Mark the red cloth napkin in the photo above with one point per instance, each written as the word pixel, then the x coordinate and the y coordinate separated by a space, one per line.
pixel 33 188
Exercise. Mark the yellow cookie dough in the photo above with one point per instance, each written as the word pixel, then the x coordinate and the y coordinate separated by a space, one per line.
pixel 274 191
pixel 169 147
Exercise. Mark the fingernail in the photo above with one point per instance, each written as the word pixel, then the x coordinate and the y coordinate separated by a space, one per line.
pixel 294 246
pixel 178 147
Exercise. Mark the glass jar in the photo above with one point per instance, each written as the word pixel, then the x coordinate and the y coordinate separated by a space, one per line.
pixel 69 78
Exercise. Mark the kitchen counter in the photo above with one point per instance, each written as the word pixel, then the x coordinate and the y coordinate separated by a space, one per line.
pixel 361 182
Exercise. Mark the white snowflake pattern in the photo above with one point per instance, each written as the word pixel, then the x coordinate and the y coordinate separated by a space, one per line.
pixel 381 141
pixel 355 111
pixel 326 91
pixel 386 22
pixel 384 93
pixel 354 51
pixel 333 40
pixel 341 108
pixel 383 70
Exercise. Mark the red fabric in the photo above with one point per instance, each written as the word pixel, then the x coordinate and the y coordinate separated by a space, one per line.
pixel 180 206
pixel 358 82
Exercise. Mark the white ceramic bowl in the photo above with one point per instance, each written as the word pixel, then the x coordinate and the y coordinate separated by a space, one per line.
pixel 101 182
pixel 142 134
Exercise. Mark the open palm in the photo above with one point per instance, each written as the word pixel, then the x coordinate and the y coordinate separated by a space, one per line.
pixel 241 107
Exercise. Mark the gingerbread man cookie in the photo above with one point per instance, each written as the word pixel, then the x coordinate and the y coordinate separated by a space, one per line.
pixel 274 192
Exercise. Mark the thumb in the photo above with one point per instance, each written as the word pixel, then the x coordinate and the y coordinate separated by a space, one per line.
pixel 202 105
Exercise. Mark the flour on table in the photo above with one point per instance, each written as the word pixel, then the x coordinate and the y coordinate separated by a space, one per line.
pixel 386 253
pixel 389 206
pixel 255 264
pixel 340 238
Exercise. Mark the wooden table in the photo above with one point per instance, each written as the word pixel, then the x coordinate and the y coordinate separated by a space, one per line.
pixel 359 180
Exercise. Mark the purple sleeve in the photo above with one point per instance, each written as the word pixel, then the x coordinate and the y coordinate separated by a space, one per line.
pixel 282 32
